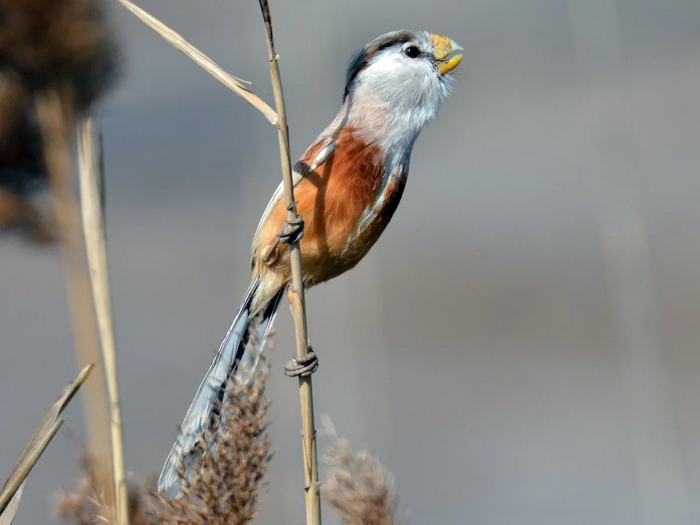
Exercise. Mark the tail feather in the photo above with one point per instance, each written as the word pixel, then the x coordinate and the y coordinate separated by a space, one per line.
pixel 230 356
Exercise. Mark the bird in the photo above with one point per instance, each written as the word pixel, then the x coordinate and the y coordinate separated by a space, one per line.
pixel 347 185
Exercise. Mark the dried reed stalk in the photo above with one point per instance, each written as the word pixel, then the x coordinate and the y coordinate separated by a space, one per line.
pixel 308 433
pixel 93 227
pixel 43 435
pixel 234 84
pixel 56 120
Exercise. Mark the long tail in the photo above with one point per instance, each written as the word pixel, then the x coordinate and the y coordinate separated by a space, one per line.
pixel 202 410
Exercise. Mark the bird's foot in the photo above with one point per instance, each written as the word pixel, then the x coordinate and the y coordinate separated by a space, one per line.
pixel 292 231
pixel 302 366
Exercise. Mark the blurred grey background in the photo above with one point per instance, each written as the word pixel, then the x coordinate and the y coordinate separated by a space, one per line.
pixel 522 345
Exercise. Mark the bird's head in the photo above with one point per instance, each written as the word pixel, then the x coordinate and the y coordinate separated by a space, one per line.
pixel 407 72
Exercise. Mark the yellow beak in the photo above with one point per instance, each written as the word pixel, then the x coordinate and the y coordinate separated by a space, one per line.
pixel 447 52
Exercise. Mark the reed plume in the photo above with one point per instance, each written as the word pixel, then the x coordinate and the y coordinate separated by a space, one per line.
pixel 224 486
pixel 359 490
pixel 61 45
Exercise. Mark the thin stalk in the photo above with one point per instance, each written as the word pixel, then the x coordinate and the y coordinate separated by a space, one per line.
pixel 56 121
pixel 311 488
pixel 93 227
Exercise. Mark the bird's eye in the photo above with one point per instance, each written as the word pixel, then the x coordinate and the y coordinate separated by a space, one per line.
pixel 412 52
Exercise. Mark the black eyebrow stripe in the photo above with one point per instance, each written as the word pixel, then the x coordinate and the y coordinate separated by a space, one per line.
pixel 361 59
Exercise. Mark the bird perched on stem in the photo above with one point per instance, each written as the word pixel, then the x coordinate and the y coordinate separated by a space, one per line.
pixel 347 187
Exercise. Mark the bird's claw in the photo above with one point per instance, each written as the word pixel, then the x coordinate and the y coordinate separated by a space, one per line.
pixel 302 366
pixel 292 231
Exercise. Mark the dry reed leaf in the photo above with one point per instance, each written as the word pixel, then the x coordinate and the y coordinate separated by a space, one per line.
pixel 36 446
pixel 8 516
pixel 178 42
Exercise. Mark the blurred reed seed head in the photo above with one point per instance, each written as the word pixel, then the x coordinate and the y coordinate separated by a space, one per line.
pixel 49 41
pixel 84 506
pixel 224 486
pixel 359 490
pixel 61 45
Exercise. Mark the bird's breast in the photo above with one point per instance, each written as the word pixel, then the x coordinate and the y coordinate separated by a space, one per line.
pixel 346 203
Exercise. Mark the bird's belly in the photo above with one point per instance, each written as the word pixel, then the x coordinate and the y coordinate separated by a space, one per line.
pixel 357 241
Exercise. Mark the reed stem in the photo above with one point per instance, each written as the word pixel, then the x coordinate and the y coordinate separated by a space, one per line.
pixel 56 120
pixel 93 227
pixel 311 488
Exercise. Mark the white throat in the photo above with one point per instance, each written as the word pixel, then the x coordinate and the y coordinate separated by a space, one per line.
pixel 391 126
